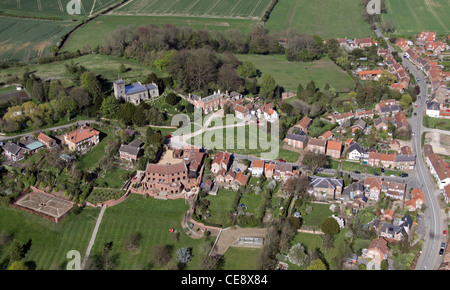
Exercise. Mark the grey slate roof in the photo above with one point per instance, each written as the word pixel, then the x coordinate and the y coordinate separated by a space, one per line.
pixel 404 158
pixel 360 123
pixel 297 137
pixel 325 182
pixel 433 106
pixel 130 149
pixel 357 147
pixel 11 147
pixel 353 189
pixel 388 109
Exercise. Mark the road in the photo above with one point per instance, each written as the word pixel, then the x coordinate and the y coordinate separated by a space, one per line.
pixel 434 220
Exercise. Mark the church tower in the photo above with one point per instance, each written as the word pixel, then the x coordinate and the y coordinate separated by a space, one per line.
pixel 119 89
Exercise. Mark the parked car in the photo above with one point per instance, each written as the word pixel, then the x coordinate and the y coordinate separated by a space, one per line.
pixel 444 232
pixel 282 160
pixel 356 171
pixel 441 251
pixel 404 175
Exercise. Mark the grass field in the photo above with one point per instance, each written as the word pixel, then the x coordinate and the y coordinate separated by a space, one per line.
pixel 97 31
pixel 152 218
pixel 327 18
pixel 415 16
pixel 107 66
pixel 55 8
pixel 197 8
pixel 50 242
pixel 290 74
pixel 23 39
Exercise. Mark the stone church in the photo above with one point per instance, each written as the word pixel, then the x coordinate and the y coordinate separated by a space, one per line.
pixel 135 93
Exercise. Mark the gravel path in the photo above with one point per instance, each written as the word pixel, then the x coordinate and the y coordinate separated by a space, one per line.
pixel 94 235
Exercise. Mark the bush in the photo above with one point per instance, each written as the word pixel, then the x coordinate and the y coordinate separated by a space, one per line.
pixel 330 226
pixel 172 99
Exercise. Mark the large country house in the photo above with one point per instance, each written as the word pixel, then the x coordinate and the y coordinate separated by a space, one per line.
pixel 82 138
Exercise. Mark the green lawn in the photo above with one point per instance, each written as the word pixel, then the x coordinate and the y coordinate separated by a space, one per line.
pixel 241 258
pixel 113 178
pixel 288 156
pixel 50 242
pixel 327 18
pixel 436 123
pixel 309 242
pixel 152 218
pixel 319 213
pixel 253 202
pixel 220 206
pixel 290 74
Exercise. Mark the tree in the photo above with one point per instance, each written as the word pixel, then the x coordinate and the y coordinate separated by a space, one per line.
pixel 297 255
pixel 126 113
pixel 184 255
pixel 161 255
pixel 91 84
pixel 330 226
pixel 311 86
pixel 110 107
pixel 268 86
pixel 133 241
pixel 317 264
pixel 314 161
pixel 122 68
pixel 38 91
pixel 17 251
pixel 247 70
pixel 299 89
pixel 172 99
pixel 17 265
pixel 228 79
pixel 405 101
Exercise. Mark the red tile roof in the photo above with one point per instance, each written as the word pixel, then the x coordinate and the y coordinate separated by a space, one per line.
pixel 334 145
pixel 81 134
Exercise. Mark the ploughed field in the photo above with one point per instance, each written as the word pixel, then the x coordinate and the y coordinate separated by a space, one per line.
pixel 195 8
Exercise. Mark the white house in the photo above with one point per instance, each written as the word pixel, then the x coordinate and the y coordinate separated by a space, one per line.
pixel 356 152
pixel 257 168
pixel 267 112
pixel 433 109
